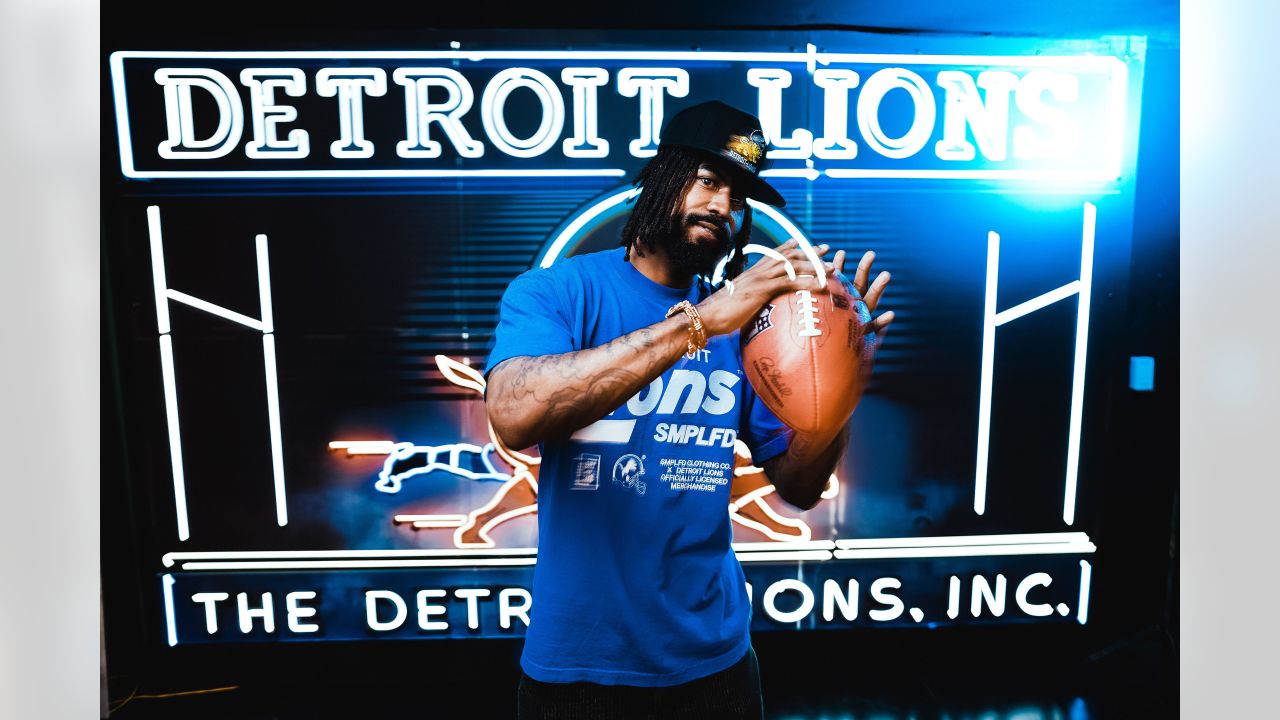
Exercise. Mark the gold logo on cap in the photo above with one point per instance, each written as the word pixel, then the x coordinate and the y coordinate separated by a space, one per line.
pixel 749 148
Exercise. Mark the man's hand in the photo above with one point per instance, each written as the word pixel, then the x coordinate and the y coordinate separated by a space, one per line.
pixel 870 296
pixel 734 305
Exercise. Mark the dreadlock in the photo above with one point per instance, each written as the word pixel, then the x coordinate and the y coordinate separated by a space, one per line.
pixel 663 181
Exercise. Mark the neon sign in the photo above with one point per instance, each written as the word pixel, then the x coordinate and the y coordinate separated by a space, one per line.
pixel 414 521
pixel 579 113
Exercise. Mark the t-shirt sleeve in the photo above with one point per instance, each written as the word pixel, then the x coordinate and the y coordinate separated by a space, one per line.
pixel 765 435
pixel 532 320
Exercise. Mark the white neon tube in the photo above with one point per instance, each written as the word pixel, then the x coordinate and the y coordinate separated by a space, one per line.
pixel 749 547
pixel 791 231
pixel 967 551
pixel 1077 382
pixel 1080 176
pixel 264 284
pixel 1087 176
pixel 457 519
pixel 877 548
pixel 1086 576
pixel 966 540
pixel 988 370
pixel 755 249
pixel 1037 303
pixel 557 245
pixel 785 556
pixel 778 556
pixel 158 281
pixel 445 523
pixel 175 434
pixel 167 373
pixel 272 378
pixel 345 564
pixel 273 420
pixel 364 447
pixel 170 558
pixel 1081 62
pixel 212 309
pixel 122 116
pixel 171 627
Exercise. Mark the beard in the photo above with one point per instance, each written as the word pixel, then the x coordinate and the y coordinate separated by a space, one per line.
pixel 697 255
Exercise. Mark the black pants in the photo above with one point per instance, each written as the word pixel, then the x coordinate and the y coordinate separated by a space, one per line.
pixel 730 693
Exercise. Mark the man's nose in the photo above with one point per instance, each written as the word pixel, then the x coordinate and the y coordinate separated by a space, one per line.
pixel 719 203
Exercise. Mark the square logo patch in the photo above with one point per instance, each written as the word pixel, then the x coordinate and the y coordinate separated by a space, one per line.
pixel 586 472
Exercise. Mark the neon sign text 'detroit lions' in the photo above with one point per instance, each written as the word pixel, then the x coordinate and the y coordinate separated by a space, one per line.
pixel 280 114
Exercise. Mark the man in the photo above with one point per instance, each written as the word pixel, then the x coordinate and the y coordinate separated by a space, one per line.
pixel 628 375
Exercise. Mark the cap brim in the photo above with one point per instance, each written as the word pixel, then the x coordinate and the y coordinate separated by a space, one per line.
pixel 755 187
pixel 758 189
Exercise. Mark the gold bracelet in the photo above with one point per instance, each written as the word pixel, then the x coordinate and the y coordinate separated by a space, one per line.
pixel 697 335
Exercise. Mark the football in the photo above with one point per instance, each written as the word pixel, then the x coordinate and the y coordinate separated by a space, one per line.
pixel 804 355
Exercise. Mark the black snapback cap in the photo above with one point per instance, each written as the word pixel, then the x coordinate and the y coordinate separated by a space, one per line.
pixel 723 131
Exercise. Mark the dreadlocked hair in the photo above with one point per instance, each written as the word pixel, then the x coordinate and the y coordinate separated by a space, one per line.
pixel 663 182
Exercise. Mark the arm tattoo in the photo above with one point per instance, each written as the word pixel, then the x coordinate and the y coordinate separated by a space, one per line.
pixel 551 396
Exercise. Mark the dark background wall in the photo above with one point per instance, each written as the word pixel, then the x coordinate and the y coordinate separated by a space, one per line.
pixel 1125 660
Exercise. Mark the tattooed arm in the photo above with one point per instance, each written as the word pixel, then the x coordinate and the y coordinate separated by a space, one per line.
pixel 530 399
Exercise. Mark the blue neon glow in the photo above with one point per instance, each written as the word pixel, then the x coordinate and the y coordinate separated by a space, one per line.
pixel 1142 373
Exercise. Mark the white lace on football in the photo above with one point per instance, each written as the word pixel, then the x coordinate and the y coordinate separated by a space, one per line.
pixel 808 307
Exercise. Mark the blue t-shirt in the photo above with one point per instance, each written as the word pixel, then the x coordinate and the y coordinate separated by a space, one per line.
pixel 636 582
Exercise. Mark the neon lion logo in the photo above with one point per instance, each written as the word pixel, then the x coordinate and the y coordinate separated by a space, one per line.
pixel 518 493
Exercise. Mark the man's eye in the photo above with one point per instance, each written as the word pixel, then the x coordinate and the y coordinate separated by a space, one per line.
pixel 706 181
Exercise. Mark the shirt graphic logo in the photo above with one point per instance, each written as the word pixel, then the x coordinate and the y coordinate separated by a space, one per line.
pixel 759 325
pixel 627 471
pixel 586 472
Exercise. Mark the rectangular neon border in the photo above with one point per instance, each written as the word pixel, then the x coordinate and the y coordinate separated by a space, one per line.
pixel 811 550
pixel 1114 142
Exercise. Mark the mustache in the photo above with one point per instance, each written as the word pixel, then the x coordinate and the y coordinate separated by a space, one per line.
pixel 721 227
